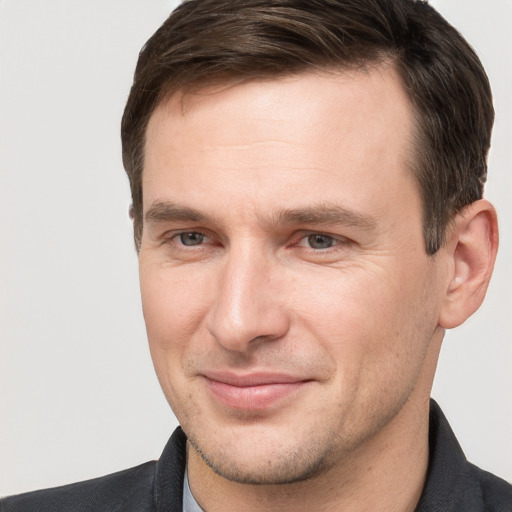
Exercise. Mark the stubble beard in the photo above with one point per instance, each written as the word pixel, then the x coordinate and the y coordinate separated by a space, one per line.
pixel 292 467
pixel 310 457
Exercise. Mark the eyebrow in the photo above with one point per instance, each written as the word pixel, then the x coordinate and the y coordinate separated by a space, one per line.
pixel 165 211
pixel 327 214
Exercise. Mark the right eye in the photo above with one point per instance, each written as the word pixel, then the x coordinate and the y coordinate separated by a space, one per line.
pixel 320 241
pixel 191 238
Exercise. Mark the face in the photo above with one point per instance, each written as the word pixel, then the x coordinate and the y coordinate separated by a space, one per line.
pixel 289 302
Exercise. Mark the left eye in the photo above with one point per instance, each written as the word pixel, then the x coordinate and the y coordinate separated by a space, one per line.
pixel 191 238
pixel 320 241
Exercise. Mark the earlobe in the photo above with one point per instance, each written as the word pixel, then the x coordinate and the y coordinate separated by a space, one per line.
pixel 472 245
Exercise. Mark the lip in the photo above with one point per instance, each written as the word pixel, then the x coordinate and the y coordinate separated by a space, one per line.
pixel 253 391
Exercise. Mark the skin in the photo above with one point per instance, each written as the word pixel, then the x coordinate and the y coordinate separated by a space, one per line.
pixel 283 237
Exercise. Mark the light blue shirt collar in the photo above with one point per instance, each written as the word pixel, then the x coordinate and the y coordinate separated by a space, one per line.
pixel 189 502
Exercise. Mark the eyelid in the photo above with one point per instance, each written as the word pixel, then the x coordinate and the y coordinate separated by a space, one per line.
pixel 178 232
pixel 174 234
pixel 299 239
pixel 304 235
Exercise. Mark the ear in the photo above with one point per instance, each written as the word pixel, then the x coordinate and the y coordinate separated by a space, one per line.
pixel 471 250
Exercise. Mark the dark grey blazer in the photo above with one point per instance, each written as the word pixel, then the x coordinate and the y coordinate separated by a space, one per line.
pixel 452 485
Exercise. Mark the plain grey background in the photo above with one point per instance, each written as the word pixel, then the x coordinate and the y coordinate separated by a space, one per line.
pixel 78 395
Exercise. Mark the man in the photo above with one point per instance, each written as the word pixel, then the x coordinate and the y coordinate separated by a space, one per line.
pixel 307 203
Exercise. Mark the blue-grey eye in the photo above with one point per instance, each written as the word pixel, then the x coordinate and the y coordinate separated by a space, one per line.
pixel 320 241
pixel 191 238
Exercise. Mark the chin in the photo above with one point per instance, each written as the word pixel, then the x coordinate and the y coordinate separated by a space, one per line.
pixel 266 462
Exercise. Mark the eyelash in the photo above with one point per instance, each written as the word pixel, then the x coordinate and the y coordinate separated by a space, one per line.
pixel 334 240
pixel 176 237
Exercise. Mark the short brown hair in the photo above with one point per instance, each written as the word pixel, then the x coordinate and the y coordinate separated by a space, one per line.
pixel 211 41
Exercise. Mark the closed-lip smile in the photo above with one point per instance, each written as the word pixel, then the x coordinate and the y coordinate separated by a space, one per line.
pixel 254 391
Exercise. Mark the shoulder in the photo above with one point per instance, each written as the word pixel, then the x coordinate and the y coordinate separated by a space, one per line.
pixel 128 490
pixel 452 483
pixel 145 488
pixel 496 493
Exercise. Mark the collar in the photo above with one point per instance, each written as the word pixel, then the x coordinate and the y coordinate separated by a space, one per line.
pixel 450 481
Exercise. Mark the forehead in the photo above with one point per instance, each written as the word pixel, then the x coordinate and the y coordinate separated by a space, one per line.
pixel 378 84
pixel 314 133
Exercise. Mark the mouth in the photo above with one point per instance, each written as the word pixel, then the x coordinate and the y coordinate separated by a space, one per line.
pixel 254 391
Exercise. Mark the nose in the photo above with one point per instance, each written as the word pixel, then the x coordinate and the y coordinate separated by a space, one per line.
pixel 248 305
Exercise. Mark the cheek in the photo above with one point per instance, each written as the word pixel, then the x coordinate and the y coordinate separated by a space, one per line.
pixel 347 303
pixel 170 300
pixel 173 305
pixel 369 321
